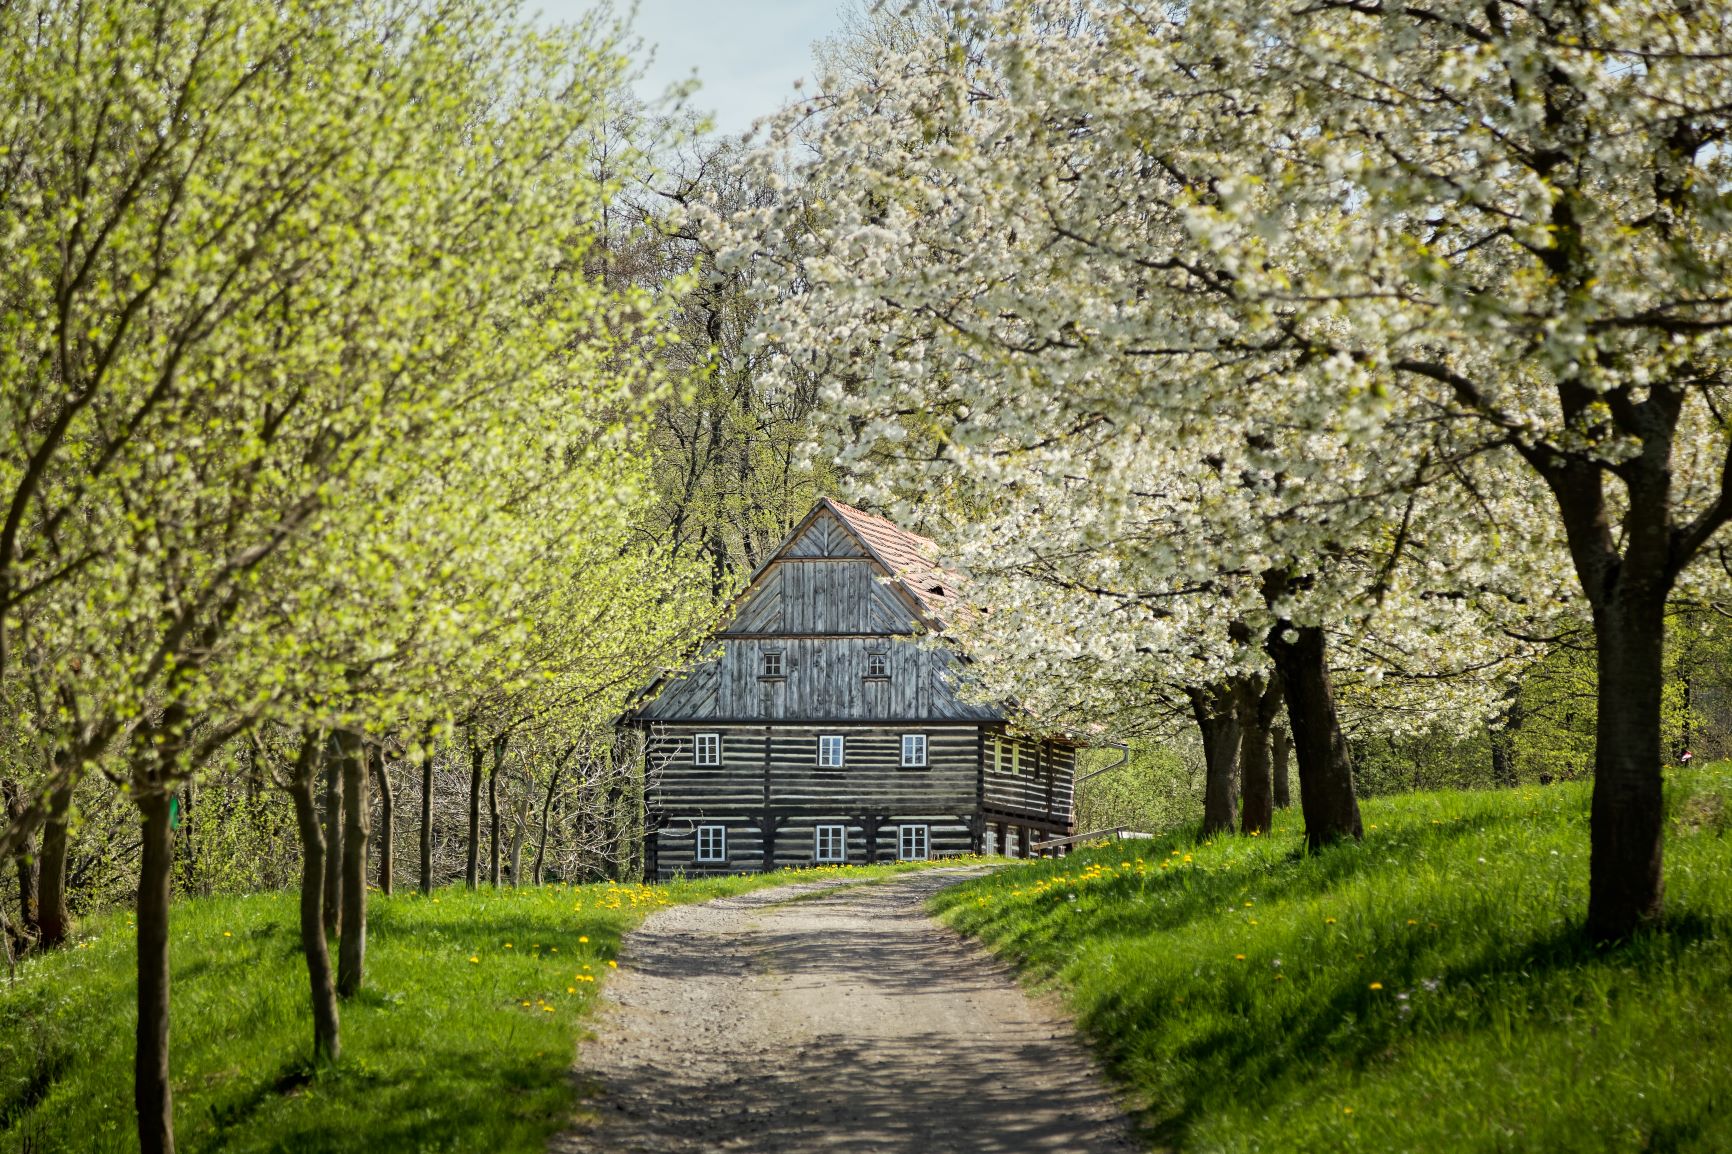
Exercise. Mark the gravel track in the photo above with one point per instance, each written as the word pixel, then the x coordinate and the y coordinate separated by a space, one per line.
pixel 829 1016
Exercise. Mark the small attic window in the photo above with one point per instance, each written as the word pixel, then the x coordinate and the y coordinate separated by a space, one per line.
pixel 772 664
pixel 877 665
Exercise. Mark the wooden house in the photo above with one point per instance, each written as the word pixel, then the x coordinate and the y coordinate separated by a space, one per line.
pixel 822 729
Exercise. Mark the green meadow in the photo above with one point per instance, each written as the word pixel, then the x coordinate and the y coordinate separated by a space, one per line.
pixel 1427 990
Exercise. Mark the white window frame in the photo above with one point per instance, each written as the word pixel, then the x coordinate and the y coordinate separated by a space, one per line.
pixel 769 658
pixel 918 759
pixel 841 750
pixel 913 837
pixel 837 835
pixel 717 836
pixel 877 665
pixel 710 756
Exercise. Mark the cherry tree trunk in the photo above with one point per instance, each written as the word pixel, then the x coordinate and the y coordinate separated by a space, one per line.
pixel 499 746
pixel 327 1040
pixel 1256 700
pixel 1280 749
pixel 352 946
pixel 519 830
pixel 1326 796
pixel 333 838
pixel 387 819
pixel 472 866
pixel 546 812
pixel 53 919
pixel 1217 719
pixel 1626 826
pixel 151 1093
pixel 427 822
pixel 23 859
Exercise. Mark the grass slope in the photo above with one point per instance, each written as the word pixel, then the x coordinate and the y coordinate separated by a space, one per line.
pixel 462 1039
pixel 1427 990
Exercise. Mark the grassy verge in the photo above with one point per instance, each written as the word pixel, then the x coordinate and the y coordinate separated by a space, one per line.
pixel 1427 990
pixel 461 1041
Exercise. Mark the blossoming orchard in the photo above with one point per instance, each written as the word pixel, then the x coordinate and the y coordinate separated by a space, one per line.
pixel 1223 505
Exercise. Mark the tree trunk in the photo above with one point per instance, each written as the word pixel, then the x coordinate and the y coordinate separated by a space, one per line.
pixel 614 829
pixel 1213 708
pixel 1326 796
pixel 426 819
pixel 352 946
pixel 1281 745
pixel 327 1040
pixel 472 867
pixel 499 744
pixel 546 810
pixel 24 859
pixel 1625 889
pixel 1502 735
pixel 1256 699
pixel 387 818
pixel 520 827
pixel 52 916
pixel 333 838
pixel 151 1093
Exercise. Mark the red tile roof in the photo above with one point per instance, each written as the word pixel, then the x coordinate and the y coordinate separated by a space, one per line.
pixel 911 557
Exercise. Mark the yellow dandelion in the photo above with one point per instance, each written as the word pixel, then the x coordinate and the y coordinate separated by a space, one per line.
pixel 226 934
pixel 1347 1109
pixel 1377 985
pixel 508 945
pixel 583 938
pixel 1413 921
pixel 613 965
pixel 1238 957
pixel 571 989
pixel 1328 921
pixel 473 958
pixel 548 1009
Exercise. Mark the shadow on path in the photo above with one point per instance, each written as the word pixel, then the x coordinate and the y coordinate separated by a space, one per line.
pixel 848 1021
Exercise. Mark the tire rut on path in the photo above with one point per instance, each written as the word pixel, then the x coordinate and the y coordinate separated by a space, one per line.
pixel 837 1020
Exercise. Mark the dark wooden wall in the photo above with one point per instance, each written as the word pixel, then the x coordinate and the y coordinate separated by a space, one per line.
pixel 770 774
pixel 1040 788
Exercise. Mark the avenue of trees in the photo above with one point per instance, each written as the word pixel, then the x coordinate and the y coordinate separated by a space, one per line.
pixel 1324 398
pixel 1249 342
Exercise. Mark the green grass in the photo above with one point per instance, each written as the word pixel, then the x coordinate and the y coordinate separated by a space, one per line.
pixel 462 1039
pixel 1427 990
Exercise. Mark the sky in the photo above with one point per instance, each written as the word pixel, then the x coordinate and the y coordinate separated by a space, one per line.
pixel 746 53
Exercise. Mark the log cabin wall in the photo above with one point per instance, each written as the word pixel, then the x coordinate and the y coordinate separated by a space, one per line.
pixel 770 781
pixel 1028 780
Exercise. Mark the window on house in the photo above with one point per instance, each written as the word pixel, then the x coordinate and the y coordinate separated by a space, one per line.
pixel 913 749
pixel 1016 757
pixel 912 843
pixel 877 665
pixel 707 749
pixel 772 663
pixel 712 843
pixel 830 843
pixel 830 751
pixel 998 755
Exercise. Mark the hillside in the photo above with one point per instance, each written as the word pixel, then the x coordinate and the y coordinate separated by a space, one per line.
pixel 1426 990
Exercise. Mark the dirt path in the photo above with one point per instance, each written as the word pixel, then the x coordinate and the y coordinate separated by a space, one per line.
pixel 796 1019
